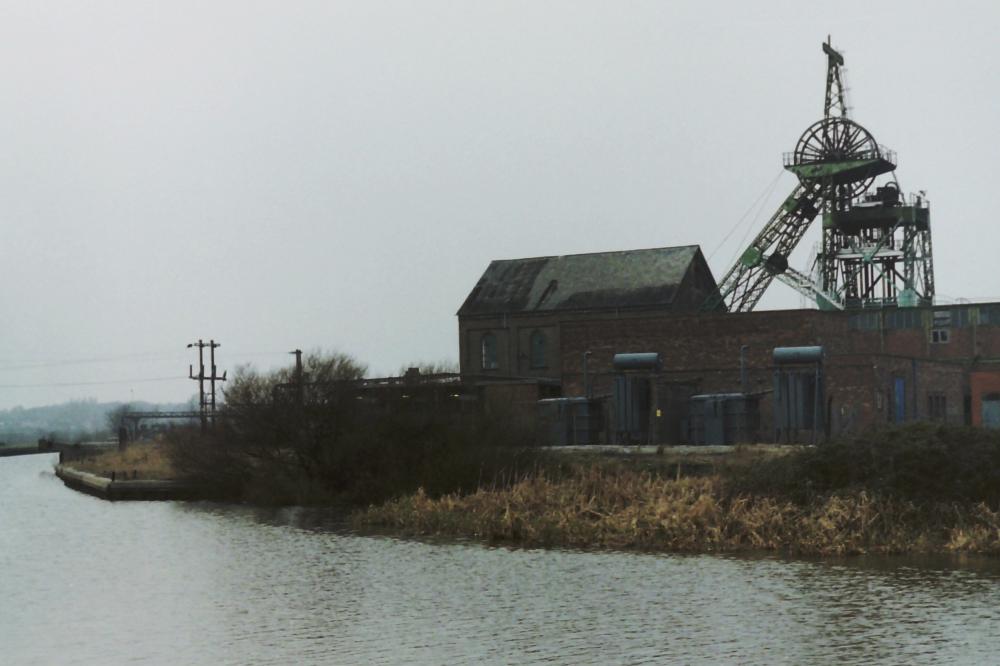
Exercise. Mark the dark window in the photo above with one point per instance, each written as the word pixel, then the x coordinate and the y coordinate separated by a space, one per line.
pixel 989 314
pixel 537 343
pixel 489 349
pixel 867 321
pixel 940 335
pixel 899 400
pixel 902 319
pixel 936 407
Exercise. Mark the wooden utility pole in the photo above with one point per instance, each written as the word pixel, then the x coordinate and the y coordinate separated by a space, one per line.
pixel 299 379
pixel 215 377
pixel 206 401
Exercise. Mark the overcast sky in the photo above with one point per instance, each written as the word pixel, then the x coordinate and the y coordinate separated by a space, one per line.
pixel 338 174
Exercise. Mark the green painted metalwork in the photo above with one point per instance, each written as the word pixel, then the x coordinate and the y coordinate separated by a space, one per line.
pixel 751 257
pixel 908 298
pixel 843 172
pixel 876 248
pixel 854 220
pixel 828 305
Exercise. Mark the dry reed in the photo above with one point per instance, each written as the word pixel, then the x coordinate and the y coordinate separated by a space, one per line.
pixel 621 508
pixel 140 461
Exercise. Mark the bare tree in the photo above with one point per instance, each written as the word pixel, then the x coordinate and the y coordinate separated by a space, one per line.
pixel 431 367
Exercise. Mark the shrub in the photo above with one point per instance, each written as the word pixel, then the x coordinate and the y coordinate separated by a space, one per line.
pixel 272 447
pixel 921 461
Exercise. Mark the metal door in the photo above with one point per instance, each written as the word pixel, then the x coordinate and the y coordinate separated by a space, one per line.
pixel 991 411
pixel 631 396
pixel 715 432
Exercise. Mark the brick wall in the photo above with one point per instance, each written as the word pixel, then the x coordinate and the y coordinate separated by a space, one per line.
pixel 704 351
pixel 981 384
pixel 513 333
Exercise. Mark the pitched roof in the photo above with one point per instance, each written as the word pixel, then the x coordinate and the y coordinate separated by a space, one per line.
pixel 632 278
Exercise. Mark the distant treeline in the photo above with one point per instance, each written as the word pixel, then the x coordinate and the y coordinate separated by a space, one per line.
pixel 70 421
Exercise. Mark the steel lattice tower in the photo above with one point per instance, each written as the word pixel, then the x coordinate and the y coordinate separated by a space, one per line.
pixel 876 247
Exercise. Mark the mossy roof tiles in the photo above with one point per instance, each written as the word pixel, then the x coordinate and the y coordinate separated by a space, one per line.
pixel 630 278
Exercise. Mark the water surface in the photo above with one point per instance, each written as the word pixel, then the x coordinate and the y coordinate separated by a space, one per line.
pixel 86 581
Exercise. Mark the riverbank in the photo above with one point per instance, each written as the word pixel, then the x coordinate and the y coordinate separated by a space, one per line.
pixel 622 509
pixel 117 488
pixel 140 472
pixel 144 460
pixel 21 450
pixel 919 489
pixel 922 488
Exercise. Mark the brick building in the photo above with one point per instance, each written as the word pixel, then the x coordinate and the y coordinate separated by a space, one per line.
pixel 511 323
pixel 542 319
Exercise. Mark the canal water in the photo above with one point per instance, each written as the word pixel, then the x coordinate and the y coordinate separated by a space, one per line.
pixel 84 581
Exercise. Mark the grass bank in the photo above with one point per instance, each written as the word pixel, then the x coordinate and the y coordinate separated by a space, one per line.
pixel 915 489
pixel 146 460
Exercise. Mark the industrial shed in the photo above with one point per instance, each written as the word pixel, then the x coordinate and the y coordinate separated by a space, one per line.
pixel 550 326
pixel 510 326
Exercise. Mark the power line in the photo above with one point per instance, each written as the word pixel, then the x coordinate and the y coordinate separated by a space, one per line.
pixel 753 225
pixel 158 356
pixel 94 383
pixel 760 199
pixel 28 365
pixel 164 356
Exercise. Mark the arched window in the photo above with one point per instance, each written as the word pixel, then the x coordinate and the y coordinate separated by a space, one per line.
pixel 489 348
pixel 537 344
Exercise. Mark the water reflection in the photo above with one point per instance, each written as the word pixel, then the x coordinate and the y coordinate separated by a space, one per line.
pixel 88 581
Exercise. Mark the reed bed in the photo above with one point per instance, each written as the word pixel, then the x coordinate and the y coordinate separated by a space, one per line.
pixel 629 509
pixel 148 460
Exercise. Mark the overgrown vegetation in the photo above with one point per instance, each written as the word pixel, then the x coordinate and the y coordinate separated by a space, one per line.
pixel 324 440
pixel 621 508
pixel 920 488
pixel 920 462
pixel 147 460
pixel 320 438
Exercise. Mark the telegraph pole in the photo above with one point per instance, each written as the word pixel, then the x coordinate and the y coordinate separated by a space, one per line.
pixel 201 379
pixel 205 400
pixel 299 386
pixel 212 344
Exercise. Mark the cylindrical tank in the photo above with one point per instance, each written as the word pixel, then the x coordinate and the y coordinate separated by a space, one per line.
pixel 798 355
pixel 638 361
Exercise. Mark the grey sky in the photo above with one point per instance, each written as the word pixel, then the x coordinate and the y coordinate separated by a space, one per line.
pixel 338 175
